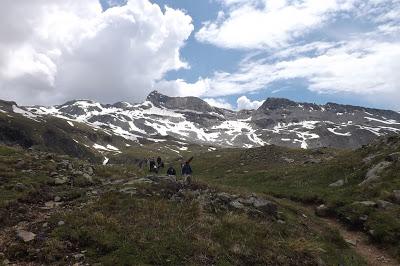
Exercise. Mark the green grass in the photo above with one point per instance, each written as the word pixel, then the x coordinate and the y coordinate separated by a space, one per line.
pixel 124 230
pixel 264 171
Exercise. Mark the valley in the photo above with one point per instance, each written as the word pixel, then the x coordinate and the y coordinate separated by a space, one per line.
pixel 75 191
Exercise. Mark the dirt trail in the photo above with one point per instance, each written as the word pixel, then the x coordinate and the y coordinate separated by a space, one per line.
pixel 359 241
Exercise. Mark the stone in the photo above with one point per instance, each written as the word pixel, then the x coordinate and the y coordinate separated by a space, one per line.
pixel 339 183
pixel 52 204
pixel 394 157
pixel 382 204
pixel 236 204
pixel 57 199
pixel 313 161
pixel 396 196
pixel 88 170
pixel 367 203
pixel 363 218
pixel 224 197
pixel 322 210
pixel 288 160
pixel 25 235
pixel 351 242
pixel 20 164
pixel 60 180
pixel 79 256
pixel 6 262
pixel 44 225
pixel 88 178
pixel 20 187
pixel 53 174
pixel 266 206
pixel 373 174
pixel 60 223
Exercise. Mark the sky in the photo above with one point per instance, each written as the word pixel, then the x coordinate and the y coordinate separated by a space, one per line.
pixel 232 53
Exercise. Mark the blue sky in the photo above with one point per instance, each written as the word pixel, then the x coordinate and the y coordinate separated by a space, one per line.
pixel 345 51
pixel 206 58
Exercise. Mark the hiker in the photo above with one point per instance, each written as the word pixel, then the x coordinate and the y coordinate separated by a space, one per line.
pixel 171 171
pixel 153 167
pixel 143 163
pixel 186 169
pixel 159 161
pixel 187 173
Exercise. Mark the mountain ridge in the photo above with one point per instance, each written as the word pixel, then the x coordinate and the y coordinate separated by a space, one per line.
pixel 278 121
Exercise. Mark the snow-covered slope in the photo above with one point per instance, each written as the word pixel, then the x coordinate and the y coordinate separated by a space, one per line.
pixel 191 120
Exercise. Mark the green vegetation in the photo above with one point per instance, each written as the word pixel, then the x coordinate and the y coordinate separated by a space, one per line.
pixel 307 178
pixel 115 228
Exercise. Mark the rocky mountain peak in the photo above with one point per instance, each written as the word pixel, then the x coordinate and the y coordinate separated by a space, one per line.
pixel 6 106
pixel 179 103
pixel 277 103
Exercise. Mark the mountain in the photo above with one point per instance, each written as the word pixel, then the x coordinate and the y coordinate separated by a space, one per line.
pixel 190 120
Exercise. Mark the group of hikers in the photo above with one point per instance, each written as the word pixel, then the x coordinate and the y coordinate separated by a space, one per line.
pixel 156 166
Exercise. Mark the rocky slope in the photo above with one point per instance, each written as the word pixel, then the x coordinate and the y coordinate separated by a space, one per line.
pixel 191 120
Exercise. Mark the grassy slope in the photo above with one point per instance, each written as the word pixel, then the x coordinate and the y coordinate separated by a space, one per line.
pixel 264 171
pixel 119 229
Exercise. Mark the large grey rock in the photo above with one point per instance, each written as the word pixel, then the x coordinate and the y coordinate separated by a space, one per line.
pixel 61 180
pixel 25 235
pixel 236 204
pixel 367 203
pixel 20 187
pixel 322 210
pixel 382 204
pixel 266 206
pixel 373 174
pixel 396 196
pixel 339 183
pixel 393 157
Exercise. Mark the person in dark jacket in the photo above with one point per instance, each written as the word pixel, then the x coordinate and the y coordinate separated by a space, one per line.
pixel 153 167
pixel 186 169
pixel 171 171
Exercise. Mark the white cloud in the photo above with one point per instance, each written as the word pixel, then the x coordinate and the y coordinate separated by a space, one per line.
pixel 255 24
pixel 362 61
pixel 360 67
pixel 220 103
pixel 54 50
pixel 244 103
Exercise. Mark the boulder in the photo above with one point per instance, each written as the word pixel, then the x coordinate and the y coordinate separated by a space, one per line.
pixel 88 178
pixel 53 174
pixel 20 187
pixel 393 157
pixel 88 170
pixel 383 204
pixel 236 204
pixel 366 203
pixel 322 210
pixel 60 180
pixel 266 206
pixel 20 164
pixel 339 183
pixel 396 196
pixel 313 161
pixel 25 235
pixel 373 174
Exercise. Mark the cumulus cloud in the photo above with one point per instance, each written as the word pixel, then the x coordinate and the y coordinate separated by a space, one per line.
pixel 255 24
pixel 244 103
pixel 362 62
pixel 54 50
pixel 220 103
